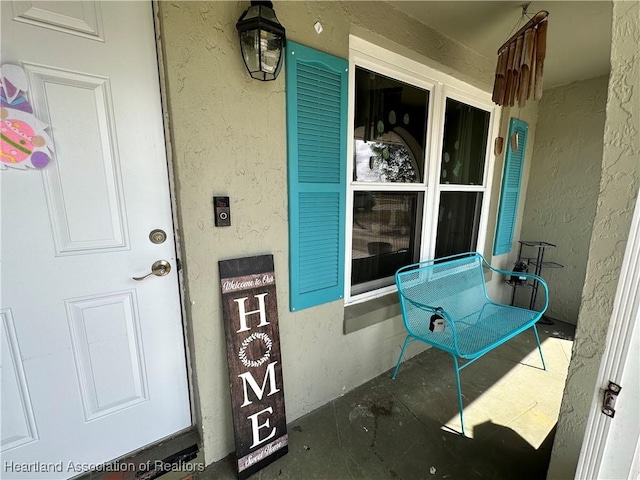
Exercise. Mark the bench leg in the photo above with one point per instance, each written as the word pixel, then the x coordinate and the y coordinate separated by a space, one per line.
pixel 404 345
pixel 535 330
pixel 455 363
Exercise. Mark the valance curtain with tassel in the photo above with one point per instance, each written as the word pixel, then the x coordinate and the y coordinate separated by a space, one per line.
pixel 520 64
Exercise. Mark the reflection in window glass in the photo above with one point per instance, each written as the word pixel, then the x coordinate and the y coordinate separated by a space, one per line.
pixel 384 162
pixel 386 236
pixel 389 130
pixel 458 222
pixel 464 148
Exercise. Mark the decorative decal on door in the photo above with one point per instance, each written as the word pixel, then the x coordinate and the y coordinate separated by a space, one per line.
pixel 23 140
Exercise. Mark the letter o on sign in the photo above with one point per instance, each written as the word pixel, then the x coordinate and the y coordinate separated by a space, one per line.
pixel 242 354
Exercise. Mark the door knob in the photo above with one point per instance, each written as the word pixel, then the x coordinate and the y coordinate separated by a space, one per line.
pixel 159 268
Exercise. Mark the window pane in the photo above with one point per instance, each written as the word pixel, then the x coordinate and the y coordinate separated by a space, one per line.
pixel 389 130
pixel 458 222
pixel 386 236
pixel 465 143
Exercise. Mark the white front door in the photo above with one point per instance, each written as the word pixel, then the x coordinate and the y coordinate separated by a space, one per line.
pixel 93 362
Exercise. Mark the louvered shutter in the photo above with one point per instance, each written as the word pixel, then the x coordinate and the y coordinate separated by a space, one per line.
pixel 511 179
pixel 316 85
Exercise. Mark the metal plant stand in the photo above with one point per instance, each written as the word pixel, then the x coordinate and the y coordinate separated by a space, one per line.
pixel 538 262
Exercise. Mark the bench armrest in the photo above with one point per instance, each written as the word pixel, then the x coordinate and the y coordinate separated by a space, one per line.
pixel 430 309
pixel 531 276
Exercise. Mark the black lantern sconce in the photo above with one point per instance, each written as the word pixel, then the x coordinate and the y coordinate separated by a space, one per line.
pixel 262 40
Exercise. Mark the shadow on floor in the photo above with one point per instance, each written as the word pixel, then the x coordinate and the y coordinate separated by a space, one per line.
pixel 407 428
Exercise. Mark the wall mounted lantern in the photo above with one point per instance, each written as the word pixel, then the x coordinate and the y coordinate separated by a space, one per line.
pixel 262 40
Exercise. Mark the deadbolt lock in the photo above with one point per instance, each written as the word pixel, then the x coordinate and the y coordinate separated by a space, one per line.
pixel 157 236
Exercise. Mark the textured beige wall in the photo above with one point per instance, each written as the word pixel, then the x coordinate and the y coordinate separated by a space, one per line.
pixel 620 178
pixel 563 186
pixel 228 138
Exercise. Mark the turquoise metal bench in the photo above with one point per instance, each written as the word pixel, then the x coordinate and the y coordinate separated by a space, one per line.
pixel 445 304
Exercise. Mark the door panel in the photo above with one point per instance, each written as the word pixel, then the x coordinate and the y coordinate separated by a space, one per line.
pixel 93 361
pixel 84 192
pixel 18 426
pixel 105 332
pixel 78 18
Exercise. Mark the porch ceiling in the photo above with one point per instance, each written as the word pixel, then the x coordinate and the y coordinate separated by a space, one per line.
pixel 579 37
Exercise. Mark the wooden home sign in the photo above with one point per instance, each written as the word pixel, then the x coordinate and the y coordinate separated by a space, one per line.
pixel 250 312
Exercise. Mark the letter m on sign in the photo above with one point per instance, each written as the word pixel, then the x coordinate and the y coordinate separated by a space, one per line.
pixel 248 380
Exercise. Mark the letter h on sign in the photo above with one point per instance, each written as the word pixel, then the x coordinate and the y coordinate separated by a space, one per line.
pixel 242 313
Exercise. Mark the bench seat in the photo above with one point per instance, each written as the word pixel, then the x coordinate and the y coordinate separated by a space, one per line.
pixel 478 332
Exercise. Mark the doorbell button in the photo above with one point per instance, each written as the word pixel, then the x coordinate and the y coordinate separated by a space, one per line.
pixel 222 211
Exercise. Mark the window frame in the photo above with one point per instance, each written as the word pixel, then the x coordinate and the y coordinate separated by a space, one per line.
pixel 440 86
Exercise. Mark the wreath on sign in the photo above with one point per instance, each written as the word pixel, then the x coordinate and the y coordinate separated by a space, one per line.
pixel 242 354
pixel 23 140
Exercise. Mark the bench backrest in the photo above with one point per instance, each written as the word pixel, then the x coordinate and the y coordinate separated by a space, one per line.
pixel 455 284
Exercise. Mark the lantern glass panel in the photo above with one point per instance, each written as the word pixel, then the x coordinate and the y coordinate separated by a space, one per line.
pixel 250 44
pixel 270 51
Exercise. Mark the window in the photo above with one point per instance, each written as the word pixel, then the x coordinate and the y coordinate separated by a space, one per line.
pixel 419 163
pixel 389 163
pixel 390 124
pixel 464 148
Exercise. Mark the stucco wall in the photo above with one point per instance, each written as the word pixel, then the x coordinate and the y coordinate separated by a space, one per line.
pixel 620 178
pixel 564 184
pixel 228 138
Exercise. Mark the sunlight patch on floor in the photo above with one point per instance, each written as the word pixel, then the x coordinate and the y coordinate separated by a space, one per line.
pixel 526 399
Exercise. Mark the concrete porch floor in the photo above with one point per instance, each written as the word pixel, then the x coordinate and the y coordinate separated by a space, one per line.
pixel 407 428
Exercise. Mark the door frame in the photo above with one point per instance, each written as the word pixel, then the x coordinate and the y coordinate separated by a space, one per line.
pixel 146 452
pixel 166 122
pixel 625 316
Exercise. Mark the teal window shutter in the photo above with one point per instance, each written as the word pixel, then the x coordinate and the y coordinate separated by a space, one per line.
pixel 510 194
pixel 317 99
